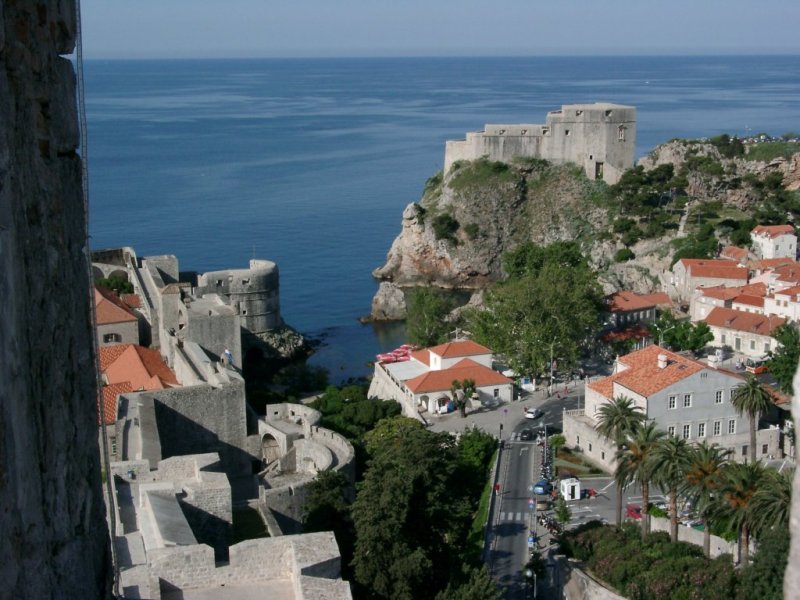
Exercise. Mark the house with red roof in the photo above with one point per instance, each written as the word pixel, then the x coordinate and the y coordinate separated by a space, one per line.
pixel 116 322
pixel 423 384
pixel 774 241
pixel 745 332
pixel 684 397
pixel 688 274
pixel 734 253
pixel 629 308
pixel 784 303
pixel 704 300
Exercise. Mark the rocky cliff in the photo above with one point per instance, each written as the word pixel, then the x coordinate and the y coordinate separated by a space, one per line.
pixel 454 238
pixel 53 537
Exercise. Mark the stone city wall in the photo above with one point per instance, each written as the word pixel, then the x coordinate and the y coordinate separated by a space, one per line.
pixel 692 536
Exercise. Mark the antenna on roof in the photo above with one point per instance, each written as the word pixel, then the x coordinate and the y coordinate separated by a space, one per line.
pixel 458 334
pixel 254 251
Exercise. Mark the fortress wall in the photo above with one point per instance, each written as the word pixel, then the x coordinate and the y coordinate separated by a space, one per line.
pixel 312 457
pixel 291 412
pixel 202 419
pixel 54 540
pixel 216 332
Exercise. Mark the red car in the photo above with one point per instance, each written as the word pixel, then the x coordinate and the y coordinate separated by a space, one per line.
pixel 634 511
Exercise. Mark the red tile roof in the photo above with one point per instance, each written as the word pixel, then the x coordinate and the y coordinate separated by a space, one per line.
pixel 714 268
pixel 422 356
pixel 110 393
pixel 791 292
pixel 735 253
pixel 743 321
pixel 142 367
pixel 773 230
pixel 109 308
pixel 722 292
pixel 770 263
pixel 624 301
pixel 643 375
pixel 441 381
pixel 790 273
pixel 750 300
pixel 459 348
pixel 132 300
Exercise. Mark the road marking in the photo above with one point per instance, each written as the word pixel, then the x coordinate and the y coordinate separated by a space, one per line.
pixel 519 517
pixel 608 486
pixel 502 516
pixel 523 449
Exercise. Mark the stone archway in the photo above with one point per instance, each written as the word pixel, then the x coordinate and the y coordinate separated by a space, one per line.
pixel 270 449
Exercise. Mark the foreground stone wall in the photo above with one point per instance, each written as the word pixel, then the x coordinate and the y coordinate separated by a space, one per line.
pixel 53 540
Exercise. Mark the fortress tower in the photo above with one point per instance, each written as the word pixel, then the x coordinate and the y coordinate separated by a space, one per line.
pixel 599 137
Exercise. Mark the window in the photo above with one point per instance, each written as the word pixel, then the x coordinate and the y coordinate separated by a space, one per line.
pixel 621 133
pixel 590 446
pixel 672 401
pixel 110 338
pixel 219 282
pixel 566 132
pixel 766 347
pixel 744 450
pixel 603 455
pixel 737 343
pixel 752 344
pixel 718 397
pixel 545 131
pixel 496 392
pixel 687 429
pixel 722 337
pixel 764 448
pixel 577 440
pixel 609 113
pixel 114 446
pixel 701 430
pixel 671 430
pixel 717 427
pixel 687 401
pixel 732 426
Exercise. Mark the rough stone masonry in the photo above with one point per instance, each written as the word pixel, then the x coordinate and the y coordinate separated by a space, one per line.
pixel 53 538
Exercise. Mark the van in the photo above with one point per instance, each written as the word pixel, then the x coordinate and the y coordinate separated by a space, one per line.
pixel 756 365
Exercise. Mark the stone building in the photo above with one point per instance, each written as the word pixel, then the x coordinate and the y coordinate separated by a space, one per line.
pixel 774 241
pixel 684 397
pixel 599 137
pixel 115 322
pixel 746 333
pixel 688 274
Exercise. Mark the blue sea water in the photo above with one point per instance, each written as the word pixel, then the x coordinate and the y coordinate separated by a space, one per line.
pixel 310 162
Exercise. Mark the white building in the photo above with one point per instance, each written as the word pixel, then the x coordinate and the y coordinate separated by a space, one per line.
pixel 746 333
pixel 423 383
pixel 684 397
pixel 774 241
pixel 784 303
pixel 688 274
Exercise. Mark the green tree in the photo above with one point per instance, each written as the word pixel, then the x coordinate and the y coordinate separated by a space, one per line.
pixel 538 316
pixel 461 392
pixel 670 461
pixel 476 584
pixel 327 509
pixel 426 321
pixel 680 335
pixel 739 484
pixel 784 359
pixel 615 421
pixel 751 399
pixel 115 283
pixel 562 511
pixel 389 431
pixel 763 579
pixel 702 482
pixel 772 501
pixel 635 464
pixel 556 442
pixel 408 522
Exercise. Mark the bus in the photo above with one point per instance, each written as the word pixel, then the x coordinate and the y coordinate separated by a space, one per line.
pixel 756 365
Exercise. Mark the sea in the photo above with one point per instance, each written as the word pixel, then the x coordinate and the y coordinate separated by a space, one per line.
pixel 310 162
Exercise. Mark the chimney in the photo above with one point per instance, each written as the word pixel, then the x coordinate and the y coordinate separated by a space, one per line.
pixel 662 361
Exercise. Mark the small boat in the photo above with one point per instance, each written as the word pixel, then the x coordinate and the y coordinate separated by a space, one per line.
pixel 386 358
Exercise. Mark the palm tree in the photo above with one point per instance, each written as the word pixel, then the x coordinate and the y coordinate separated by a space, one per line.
pixel 635 464
pixel 752 399
pixel 739 484
pixel 702 482
pixel 773 500
pixel 670 461
pixel 615 420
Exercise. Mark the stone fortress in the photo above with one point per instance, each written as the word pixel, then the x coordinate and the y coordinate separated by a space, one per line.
pixel 183 457
pixel 599 137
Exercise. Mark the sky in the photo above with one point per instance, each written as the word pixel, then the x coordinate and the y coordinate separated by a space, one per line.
pixel 335 28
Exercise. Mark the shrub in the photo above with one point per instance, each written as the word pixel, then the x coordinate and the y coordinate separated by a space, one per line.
pixel 472 230
pixel 445 226
pixel 624 254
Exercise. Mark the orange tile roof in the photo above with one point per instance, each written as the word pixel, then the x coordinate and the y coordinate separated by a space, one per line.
pixel 643 375
pixel 624 301
pixel 110 393
pixel 791 291
pixel 132 300
pixel 422 356
pixel 142 367
pixel 750 300
pixel 773 230
pixel 714 268
pixel 734 253
pixel 790 273
pixel 459 348
pixel 743 321
pixel 109 308
pixel 770 263
pixel 442 380
pixel 722 292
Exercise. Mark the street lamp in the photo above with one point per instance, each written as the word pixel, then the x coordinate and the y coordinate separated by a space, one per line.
pixel 661 333
pixel 531 574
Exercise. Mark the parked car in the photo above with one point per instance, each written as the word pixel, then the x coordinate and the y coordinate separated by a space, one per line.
pixel 542 488
pixel 634 511
pixel 533 413
pixel 526 435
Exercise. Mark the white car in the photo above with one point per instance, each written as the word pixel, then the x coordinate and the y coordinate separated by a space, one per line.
pixel 533 413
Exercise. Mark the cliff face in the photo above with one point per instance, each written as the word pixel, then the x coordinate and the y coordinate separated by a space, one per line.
pixel 53 537
pixel 454 238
